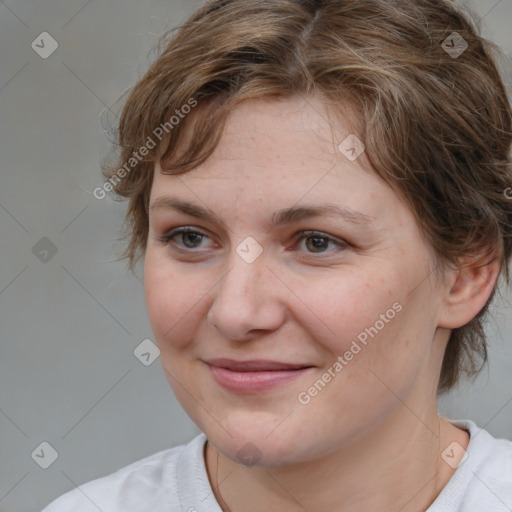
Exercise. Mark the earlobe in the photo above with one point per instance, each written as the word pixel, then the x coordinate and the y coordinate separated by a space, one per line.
pixel 468 294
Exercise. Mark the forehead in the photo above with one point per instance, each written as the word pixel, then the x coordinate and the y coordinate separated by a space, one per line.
pixel 285 150
pixel 290 135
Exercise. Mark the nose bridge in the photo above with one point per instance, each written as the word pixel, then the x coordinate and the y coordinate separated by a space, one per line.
pixel 241 299
pixel 246 268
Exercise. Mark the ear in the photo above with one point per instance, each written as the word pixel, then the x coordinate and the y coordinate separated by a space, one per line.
pixel 468 289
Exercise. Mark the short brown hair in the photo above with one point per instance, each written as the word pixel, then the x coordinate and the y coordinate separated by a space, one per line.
pixel 436 119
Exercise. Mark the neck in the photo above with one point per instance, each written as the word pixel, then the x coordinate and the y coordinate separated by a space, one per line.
pixel 398 466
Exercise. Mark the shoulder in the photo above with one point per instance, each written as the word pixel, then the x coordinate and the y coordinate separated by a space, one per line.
pixel 490 461
pixel 147 484
pixel 483 479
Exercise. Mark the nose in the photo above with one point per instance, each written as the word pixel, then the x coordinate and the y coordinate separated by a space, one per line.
pixel 248 300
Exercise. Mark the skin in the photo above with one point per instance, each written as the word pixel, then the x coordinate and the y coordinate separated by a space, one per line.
pixel 371 439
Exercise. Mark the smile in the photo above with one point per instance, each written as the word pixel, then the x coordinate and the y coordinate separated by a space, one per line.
pixel 247 381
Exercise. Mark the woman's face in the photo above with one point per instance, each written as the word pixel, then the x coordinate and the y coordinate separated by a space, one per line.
pixel 348 294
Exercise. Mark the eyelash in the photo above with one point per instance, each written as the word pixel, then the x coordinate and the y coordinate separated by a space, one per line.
pixel 167 239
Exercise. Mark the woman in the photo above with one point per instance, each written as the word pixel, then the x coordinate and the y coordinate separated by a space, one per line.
pixel 318 189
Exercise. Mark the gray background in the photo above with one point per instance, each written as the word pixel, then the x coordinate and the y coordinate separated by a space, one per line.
pixel 69 326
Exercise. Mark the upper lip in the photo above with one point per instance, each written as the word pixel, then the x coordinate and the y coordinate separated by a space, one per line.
pixel 255 365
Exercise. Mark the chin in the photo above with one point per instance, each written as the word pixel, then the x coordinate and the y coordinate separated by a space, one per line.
pixel 257 452
pixel 249 443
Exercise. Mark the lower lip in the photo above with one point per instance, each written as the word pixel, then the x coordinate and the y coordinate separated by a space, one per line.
pixel 246 382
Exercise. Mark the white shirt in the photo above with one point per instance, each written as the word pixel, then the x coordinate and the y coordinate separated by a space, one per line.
pixel 175 480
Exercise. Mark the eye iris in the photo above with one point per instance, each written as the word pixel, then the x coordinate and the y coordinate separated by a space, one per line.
pixel 198 237
pixel 318 242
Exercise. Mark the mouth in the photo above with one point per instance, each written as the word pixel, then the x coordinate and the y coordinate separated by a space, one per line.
pixel 255 375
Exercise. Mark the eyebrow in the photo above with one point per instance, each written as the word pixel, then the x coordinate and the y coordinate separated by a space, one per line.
pixel 279 217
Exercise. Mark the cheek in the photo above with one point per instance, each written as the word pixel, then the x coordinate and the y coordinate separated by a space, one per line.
pixel 371 322
pixel 343 311
pixel 173 300
pixel 388 347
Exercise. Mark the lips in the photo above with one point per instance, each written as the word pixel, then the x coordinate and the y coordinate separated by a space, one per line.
pixel 256 375
pixel 255 365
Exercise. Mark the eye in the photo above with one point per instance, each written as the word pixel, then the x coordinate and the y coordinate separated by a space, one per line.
pixel 190 237
pixel 317 242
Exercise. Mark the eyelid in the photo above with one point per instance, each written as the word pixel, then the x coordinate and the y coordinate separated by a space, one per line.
pixel 305 233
